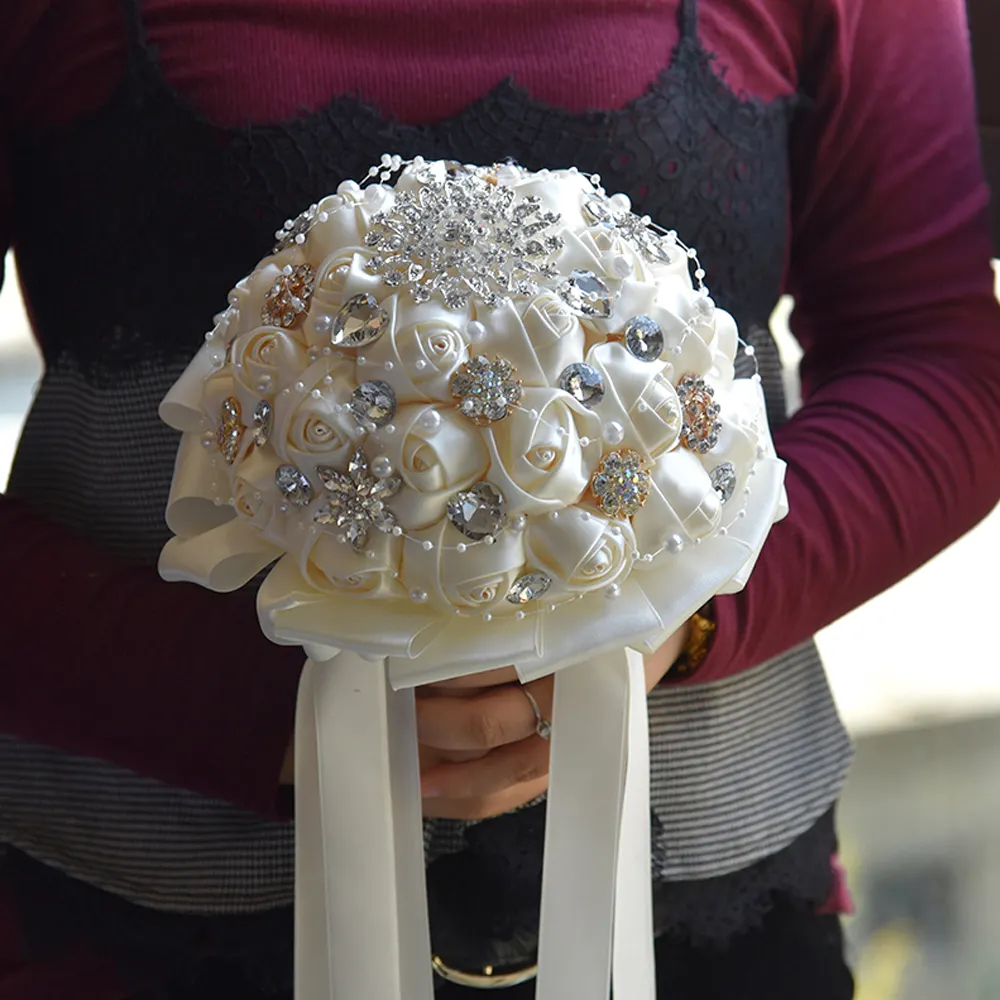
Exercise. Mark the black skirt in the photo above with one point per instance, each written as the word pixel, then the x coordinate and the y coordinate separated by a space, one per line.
pixel 754 933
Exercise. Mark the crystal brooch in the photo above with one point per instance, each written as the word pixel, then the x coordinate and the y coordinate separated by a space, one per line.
pixel 621 483
pixel 643 338
pixel 486 389
pixel 287 300
pixel 700 430
pixel 355 500
pixel 263 421
pixel 478 512
pixel 583 382
pixel 373 403
pixel 586 294
pixel 723 478
pixel 293 485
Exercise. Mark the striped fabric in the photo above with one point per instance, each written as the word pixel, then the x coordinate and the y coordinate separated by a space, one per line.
pixel 740 767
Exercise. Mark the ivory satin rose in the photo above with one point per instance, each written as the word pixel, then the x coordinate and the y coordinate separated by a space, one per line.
pixel 266 359
pixel 579 550
pixel 425 345
pixel 433 462
pixel 540 463
pixel 310 430
pixel 476 579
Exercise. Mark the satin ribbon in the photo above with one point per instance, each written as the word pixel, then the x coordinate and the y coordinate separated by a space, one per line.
pixel 361 929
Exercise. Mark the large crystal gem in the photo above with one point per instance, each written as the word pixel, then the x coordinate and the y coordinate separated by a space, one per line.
pixel 293 485
pixel 528 587
pixel 373 403
pixel 643 338
pixel 478 511
pixel 361 320
pixel 586 294
pixel 583 382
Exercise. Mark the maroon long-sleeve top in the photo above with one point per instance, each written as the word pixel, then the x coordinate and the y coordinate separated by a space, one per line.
pixel 895 452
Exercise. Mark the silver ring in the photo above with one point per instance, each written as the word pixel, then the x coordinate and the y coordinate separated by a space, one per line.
pixel 542 725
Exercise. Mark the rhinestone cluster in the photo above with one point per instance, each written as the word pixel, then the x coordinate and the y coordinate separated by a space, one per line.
pixel 355 500
pixel 621 483
pixel 614 214
pixel 464 237
pixel 700 430
pixel 486 389
pixel 287 300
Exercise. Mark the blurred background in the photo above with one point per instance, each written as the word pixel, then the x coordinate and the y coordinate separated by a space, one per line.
pixel 919 690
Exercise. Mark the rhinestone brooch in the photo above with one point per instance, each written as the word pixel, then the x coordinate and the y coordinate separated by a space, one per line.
pixel 229 434
pixel 700 430
pixel 287 300
pixel 621 483
pixel 486 389
pixel 355 500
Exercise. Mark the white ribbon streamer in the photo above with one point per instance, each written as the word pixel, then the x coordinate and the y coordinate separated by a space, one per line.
pixel 590 720
pixel 360 900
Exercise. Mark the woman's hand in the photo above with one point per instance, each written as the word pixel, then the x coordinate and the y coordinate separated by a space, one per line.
pixel 479 753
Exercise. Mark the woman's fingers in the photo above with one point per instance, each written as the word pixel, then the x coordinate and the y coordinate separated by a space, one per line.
pixel 490 719
pixel 526 761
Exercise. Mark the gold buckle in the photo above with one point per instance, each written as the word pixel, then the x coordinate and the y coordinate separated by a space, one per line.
pixel 485 980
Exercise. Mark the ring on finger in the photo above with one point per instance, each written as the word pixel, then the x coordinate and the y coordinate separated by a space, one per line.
pixel 542 725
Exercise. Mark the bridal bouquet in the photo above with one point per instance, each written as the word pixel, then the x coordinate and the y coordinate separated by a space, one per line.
pixel 470 417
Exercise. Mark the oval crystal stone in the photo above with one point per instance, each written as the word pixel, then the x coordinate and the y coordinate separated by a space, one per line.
pixel 374 403
pixel 583 382
pixel 478 511
pixel 528 587
pixel 586 294
pixel 263 420
pixel 360 320
pixel 643 338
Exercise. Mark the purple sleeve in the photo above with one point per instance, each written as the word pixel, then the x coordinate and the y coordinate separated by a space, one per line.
pixel 896 450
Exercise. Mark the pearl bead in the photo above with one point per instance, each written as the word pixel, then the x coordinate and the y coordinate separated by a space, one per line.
pixel 518 523
pixel 475 331
pixel 613 591
pixel 397 531
pixel 419 596
pixel 675 544
pixel 519 615
pixel 613 432
pixel 487 617
pixel 389 366
pixel 430 421
pixel 389 429
pixel 299 386
pixel 584 442
pixel 420 364
pixel 381 466
pixel 362 360
pixel 427 545
pixel 461 547
pixel 489 539
pixel 316 393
